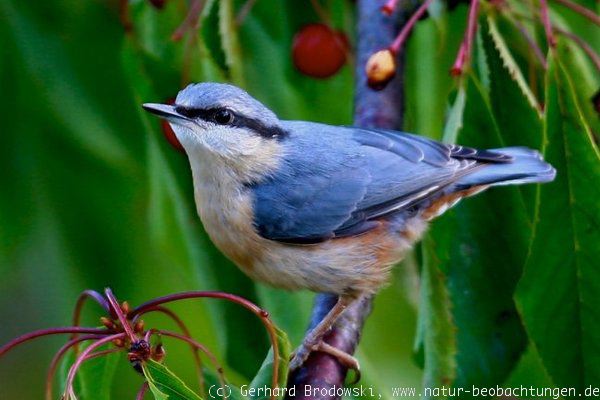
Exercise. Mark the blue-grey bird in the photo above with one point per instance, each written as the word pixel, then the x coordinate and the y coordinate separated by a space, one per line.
pixel 303 205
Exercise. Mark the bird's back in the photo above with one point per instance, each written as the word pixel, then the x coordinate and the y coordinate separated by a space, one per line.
pixel 342 181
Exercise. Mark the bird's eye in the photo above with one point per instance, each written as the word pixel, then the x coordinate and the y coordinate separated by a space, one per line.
pixel 223 117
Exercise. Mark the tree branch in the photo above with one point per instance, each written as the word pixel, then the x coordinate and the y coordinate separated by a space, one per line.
pixel 382 109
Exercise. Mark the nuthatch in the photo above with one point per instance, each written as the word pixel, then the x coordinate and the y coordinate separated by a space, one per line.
pixel 303 205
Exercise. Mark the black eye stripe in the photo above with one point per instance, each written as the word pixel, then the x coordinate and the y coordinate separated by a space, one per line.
pixel 239 121
pixel 194 112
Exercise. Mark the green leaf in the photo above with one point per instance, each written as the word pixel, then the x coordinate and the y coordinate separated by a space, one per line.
pixel 264 377
pixel 559 291
pixel 466 243
pixel 455 117
pixel 519 122
pixel 164 384
pixel 436 330
pixel 211 37
pixel 510 63
pixel 230 41
pixel 95 378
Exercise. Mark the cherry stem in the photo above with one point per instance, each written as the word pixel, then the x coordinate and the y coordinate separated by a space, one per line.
pixel 545 18
pixel 119 312
pixel 56 359
pixel 531 42
pixel 389 7
pixel 398 43
pixel 244 11
pixel 589 14
pixel 190 21
pixel 83 297
pixel 124 15
pixel 101 353
pixel 464 52
pixel 259 312
pixel 585 46
pixel 588 50
pixel 201 347
pixel 321 13
pixel 142 392
pixel 186 332
pixel 84 356
pixel 46 332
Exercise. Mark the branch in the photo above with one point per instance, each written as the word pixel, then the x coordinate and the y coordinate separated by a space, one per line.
pixel 382 109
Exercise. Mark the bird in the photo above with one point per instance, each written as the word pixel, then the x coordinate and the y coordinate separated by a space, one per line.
pixel 306 205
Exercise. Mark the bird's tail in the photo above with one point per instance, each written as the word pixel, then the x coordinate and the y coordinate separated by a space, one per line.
pixel 526 166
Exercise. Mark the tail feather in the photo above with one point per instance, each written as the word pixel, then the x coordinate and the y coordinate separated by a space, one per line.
pixel 527 166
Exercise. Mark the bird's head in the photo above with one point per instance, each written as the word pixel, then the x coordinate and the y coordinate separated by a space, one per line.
pixel 222 123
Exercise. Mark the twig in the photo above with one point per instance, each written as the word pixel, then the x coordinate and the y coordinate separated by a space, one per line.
pixel 578 8
pixel 81 300
pixel 120 315
pixel 591 53
pixel 531 42
pixel 202 348
pixel 58 356
pixel 142 392
pixel 190 21
pixel 183 327
pixel 398 43
pixel 45 332
pixel 383 109
pixel 259 312
pixel 464 52
pixel 244 11
pixel 83 357
pixel 545 18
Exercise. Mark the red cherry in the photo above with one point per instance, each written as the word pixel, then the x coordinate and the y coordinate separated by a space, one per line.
pixel 319 51
pixel 168 132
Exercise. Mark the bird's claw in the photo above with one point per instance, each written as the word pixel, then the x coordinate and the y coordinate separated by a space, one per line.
pixel 299 356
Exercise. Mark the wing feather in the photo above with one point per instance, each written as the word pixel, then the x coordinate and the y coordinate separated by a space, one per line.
pixel 337 182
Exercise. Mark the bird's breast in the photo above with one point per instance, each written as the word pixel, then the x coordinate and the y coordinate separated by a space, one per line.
pixel 228 219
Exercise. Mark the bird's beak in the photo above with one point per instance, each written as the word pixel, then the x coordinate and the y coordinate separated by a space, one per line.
pixel 165 111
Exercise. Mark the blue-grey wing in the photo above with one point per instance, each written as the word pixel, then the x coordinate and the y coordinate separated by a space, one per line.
pixel 336 182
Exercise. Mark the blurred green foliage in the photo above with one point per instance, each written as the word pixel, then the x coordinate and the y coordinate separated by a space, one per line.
pixel 92 196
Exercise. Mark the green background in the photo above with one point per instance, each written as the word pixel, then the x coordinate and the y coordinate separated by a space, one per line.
pixel 92 196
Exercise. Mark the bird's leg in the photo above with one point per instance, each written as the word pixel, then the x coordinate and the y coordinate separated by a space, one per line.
pixel 314 339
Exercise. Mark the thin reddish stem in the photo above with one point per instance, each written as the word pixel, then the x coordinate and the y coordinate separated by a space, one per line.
pixel 322 13
pixel 244 11
pixel 398 43
pixel 389 7
pixel 190 21
pixel 142 392
pixel 46 332
pixel 102 353
pixel 81 300
pixel 83 356
pixel 466 47
pixel 183 327
pixel 588 50
pixel 458 66
pixel 578 8
pixel 56 359
pixel 531 42
pixel 545 18
pixel 124 15
pixel 259 312
pixel 201 347
pixel 119 312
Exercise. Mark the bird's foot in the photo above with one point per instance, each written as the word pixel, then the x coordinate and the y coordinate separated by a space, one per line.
pixel 308 346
